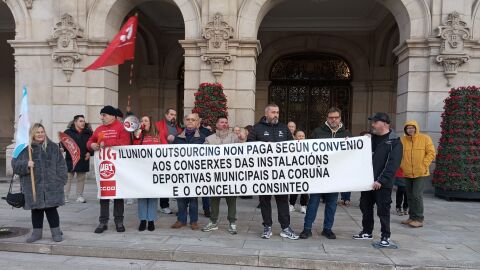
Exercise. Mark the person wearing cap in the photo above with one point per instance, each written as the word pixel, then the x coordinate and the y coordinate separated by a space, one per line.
pixel 386 157
pixel 418 154
pixel 110 133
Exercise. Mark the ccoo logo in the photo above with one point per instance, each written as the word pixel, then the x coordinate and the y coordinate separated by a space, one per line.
pixel 106 169
pixel 108 188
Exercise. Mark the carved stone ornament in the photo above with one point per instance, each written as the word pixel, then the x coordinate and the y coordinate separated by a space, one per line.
pixel 217 33
pixel 65 52
pixel 29 4
pixel 452 53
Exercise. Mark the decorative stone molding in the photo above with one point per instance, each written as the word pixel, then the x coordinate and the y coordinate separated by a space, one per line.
pixel 452 53
pixel 29 4
pixel 217 33
pixel 65 52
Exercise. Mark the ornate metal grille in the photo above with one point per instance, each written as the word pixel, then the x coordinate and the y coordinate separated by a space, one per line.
pixel 306 86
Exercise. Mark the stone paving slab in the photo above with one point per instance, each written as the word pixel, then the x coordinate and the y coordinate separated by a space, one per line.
pixel 449 240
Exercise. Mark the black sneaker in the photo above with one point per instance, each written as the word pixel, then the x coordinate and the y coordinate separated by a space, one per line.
pixel 363 235
pixel 120 227
pixel 329 234
pixel 142 226
pixel 151 226
pixel 101 228
pixel 305 234
pixel 385 241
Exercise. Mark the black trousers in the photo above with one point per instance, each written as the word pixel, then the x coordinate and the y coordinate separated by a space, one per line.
pixel 282 209
pixel 383 199
pixel 52 217
pixel 164 203
pixel 303 199
pixel 118 209
pixel 401 196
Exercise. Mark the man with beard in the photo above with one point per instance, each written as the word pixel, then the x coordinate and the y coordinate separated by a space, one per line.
pixel 270 130
pixel 332 128
pixel 387 154
pixel 167 130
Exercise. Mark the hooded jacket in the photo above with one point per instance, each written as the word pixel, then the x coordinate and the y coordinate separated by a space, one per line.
pixel 418 152
pixel 266 132
pixel 386 159
pixel 324 132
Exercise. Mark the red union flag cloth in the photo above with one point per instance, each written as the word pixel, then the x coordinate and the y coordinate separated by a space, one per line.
pixel 120 49
pixel 71 147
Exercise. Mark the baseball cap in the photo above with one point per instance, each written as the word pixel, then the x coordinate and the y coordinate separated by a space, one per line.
pixel 380 116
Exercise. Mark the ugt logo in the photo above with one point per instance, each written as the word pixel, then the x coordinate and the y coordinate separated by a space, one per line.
pixel 108 188
pixel 106 169
pixel 107 154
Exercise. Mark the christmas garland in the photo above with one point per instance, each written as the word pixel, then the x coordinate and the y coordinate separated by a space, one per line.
pixel 210 103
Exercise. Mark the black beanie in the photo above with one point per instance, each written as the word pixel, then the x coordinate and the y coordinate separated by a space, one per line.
pixel 119 113
pixel 109 110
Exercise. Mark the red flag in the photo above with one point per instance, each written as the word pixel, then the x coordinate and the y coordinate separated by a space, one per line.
pixel 71 147
pixel 120 49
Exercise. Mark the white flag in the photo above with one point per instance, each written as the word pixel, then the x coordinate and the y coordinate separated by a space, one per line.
pixel 23 126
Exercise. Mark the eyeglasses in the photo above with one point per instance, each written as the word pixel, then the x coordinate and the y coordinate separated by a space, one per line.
pixel 334 118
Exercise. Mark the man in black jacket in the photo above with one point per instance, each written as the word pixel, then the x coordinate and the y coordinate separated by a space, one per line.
pixel 332 128
pixel 387 154
pixel 270 130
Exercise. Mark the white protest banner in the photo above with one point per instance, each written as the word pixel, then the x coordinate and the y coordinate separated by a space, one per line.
pixel 255 168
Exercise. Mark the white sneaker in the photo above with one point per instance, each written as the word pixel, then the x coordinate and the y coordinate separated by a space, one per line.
pixel 166 210
pixel 129 201
pixel 292 208
pixel 66 199
pixel 303 209
pixel 80 199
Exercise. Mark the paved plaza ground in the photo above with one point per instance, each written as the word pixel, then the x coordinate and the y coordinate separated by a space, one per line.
pixel 449 240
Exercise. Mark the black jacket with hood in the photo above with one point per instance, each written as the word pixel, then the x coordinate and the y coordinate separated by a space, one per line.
pixel 386 159
pixel 267 132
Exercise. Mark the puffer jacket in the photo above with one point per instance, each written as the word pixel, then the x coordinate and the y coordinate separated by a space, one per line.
pixel 418 152
pixel 50 173
pixel 266 132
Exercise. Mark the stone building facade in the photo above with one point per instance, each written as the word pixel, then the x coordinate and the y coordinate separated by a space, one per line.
pixel 397 56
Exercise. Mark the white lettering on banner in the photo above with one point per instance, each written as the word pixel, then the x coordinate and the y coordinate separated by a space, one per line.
pixel 254 168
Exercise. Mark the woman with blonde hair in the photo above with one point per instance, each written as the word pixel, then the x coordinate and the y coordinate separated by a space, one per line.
pixel 50 173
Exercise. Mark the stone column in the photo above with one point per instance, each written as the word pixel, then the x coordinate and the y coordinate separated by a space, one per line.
pixel 261 98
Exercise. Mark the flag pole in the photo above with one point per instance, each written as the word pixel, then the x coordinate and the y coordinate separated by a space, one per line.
pixel 130 81
pixel 32 176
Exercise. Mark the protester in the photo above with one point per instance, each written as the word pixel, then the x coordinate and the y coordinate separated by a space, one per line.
pixel 50 173
pixel 299 135
pixel 222 135
pixel 418 154
pixel 401 194
pixel 80 132
pixel 110 133
pixel 387 155
pixel 190 135
pixel 168 129
pixel 147 207
pixel 236 130
pixel 270 130
pixel 292 127
pixel 332 128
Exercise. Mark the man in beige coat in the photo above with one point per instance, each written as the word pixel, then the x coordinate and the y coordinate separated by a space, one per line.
pixel 223 135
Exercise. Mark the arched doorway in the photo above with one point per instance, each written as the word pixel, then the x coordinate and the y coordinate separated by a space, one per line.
pixel 7 82
pixel 305 86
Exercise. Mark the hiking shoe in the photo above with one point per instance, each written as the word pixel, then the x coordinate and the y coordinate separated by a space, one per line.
pixel 177 225
pixel 305 234
pixel 407 222
pixel 151 226
pixel 143 225
pixel 101 228
pixel 292 208
pixel 363 235
pixel 267 232
pixel 194 226
pixel 385 241
pixel 232 228
pixel 288 233
pixel 210 227
pixel 120 228
pixel 416 224
pixel 329 234
pixel 80 199
pixel 303 209
pixel 399 212
pixel 166 210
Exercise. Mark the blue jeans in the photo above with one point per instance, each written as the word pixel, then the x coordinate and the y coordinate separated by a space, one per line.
pixel 192 204
pixel 206 203
pixel 345 196
pixel 147 209
pixel 329 214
